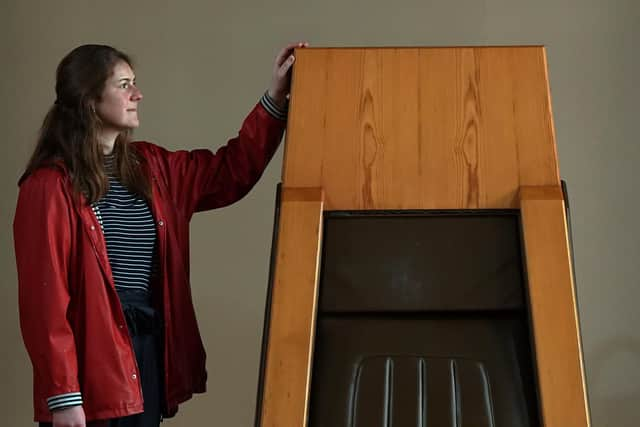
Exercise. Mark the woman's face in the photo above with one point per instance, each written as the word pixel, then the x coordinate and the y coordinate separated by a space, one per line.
pixel 118 108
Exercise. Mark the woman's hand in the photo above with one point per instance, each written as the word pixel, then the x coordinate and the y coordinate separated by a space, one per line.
pixel 281 79
pixel 69 417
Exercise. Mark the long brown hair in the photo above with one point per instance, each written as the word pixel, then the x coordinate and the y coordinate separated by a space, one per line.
pixel 69 132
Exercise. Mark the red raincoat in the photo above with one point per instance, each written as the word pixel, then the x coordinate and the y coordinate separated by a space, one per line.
pixel 70 315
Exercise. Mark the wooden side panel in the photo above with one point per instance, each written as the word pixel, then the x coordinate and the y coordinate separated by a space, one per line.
pixel 420 128
pixel 553 308
pixel 293 310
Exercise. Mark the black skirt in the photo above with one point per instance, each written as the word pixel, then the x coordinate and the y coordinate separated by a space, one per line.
pixel 145 329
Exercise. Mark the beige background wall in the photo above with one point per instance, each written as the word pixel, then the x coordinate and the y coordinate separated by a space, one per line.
pixel 202 65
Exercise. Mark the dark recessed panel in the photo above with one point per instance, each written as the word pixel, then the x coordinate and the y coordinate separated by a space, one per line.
pixel 420 263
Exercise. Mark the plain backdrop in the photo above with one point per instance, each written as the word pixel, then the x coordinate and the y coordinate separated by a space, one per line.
pixel 202 65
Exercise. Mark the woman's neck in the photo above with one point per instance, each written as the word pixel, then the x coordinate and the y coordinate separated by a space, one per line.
pixel 107 140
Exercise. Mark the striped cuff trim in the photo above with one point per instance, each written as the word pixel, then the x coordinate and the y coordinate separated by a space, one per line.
pixel 64 401
pixel 271 107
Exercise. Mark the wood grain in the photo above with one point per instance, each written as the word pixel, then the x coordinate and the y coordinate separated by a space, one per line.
pixel 541 193
pixel 420 128
pixel 301 194
pixel 293 310
pixel 558 347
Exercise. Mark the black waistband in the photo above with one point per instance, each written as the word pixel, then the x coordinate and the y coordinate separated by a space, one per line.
pixel 141 317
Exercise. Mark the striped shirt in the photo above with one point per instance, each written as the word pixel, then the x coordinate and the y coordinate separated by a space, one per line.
pixel 129 232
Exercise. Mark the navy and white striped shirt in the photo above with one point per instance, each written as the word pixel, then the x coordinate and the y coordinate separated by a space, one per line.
pixel 130 234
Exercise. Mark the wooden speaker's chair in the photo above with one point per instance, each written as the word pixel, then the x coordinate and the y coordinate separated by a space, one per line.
pixel 421 271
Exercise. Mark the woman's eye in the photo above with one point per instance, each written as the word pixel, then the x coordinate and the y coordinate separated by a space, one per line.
pixel 124 85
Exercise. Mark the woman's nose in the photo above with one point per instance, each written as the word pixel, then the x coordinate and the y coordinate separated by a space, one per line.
pixel 136 95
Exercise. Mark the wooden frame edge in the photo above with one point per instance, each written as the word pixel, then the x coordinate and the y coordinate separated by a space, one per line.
pixel 289 355
pixel 556 330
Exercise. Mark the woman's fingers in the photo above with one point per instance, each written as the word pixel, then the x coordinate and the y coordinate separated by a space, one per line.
pixel 287 51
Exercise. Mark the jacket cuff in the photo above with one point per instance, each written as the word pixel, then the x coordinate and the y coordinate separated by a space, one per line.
pixel 66 400
pixel 270 105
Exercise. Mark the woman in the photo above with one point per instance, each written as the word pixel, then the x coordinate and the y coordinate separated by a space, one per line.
pixel 101 235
